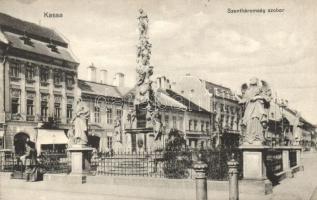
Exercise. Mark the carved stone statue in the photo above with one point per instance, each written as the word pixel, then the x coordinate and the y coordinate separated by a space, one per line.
pixel 80 124
pixel 256 99
pixel 117 130
pixel 144 92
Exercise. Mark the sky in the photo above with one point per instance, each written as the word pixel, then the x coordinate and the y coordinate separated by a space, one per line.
pixel 193 36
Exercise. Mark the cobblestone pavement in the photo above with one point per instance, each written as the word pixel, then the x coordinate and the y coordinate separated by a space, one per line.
pixel 298 188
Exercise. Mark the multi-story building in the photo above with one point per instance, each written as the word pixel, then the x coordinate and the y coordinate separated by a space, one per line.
pixel 195 123
pixel 220 101
pixel 38 81
pixel 110 104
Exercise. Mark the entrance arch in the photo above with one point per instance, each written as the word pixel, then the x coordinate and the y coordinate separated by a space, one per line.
pixel 20 140
pixel 94 141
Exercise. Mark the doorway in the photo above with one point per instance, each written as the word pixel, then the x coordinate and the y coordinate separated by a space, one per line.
pixel 94 141
pixel 20 140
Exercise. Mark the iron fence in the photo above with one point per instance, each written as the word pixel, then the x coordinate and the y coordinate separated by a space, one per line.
pixel 273 162
pixel 164 164
pixel 45 163
pixel 292 158
pixel 55 163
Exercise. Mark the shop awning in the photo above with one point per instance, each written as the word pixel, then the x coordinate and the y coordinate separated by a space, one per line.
pixel 49 136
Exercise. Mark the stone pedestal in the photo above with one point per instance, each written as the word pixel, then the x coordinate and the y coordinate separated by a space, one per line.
pixel 80 162
pixel 253 165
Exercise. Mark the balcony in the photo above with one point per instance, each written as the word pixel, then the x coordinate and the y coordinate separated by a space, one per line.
pixel 43 118
pixel 30 118
pixel 16 116
pixel 30 81
pixel 57 85
pixel 15 79
pixel 44 83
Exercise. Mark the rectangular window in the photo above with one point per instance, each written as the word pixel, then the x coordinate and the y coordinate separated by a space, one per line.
pixel 30 104
pixel 15 101
pixel 14 70
pixel 69 108
pixel 174 122
pixel 195 125
pixel 207 127
pixel 119 113
pixel 57 107
pixel 44 75
pixel 202 126
pixel 109 116
pixel 29 73
pixel 97 114
pixel 57 78
pixel 231 123
pixel 180 123
pixel 44 106
pixel 166 121
pixel 69 81
pixel 109 142
pixel 190 124
pixel 57 111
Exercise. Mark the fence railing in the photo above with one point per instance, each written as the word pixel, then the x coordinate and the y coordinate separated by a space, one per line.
pixel 273 162
pixel 164 164
pixel 46 162
pixel 292 158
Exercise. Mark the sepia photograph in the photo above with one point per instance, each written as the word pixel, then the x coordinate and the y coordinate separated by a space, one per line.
pixel 158 100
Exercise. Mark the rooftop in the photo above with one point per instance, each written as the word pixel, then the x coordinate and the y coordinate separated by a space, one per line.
pixel 36 31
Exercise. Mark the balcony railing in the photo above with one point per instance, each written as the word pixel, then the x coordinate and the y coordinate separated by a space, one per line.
pixel 30 118
pixel 44 83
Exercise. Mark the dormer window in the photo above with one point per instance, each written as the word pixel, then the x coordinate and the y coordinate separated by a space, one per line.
pixel 26 39
pixel 53 47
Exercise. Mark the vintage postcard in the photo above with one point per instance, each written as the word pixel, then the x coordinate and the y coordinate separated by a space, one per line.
pixel 158 99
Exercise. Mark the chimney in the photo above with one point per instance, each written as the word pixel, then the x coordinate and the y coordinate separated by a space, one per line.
pixel 103 76
pixel 92 73
pixel 118 79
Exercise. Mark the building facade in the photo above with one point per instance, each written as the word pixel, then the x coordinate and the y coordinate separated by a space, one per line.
pixel 38 85
pixel 220 101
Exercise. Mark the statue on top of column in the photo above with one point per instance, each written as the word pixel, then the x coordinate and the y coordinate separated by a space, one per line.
pixel 144 92
pixel 256 97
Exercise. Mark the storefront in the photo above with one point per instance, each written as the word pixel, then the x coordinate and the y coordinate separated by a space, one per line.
pixel 51 140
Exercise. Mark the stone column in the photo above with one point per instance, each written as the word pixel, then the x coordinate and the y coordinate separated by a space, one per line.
pixel 201 180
